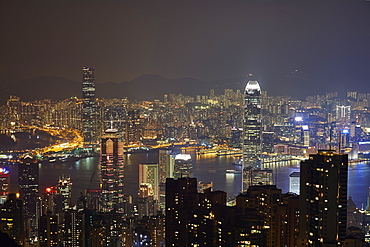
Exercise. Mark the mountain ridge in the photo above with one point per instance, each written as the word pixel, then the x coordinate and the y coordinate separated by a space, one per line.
pixel 154 86
pixel 144 87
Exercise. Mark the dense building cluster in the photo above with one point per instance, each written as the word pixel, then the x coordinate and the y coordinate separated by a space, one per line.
pixel 171 207
pixel 289 126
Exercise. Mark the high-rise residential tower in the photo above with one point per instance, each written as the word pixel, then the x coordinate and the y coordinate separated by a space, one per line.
pixel 111 172
pixel 252 131
pixel 323 199
pixel 181 198
pixel 88 106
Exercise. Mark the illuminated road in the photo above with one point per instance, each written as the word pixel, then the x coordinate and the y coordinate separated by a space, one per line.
pixel 73 139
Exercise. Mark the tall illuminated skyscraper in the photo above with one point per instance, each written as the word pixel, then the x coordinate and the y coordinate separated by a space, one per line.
pixel 111 172
pixel 252 131
pixel 88 106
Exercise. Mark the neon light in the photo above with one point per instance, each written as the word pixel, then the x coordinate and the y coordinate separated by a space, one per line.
pixel 4 170
pixel 182 157
pixel 298 119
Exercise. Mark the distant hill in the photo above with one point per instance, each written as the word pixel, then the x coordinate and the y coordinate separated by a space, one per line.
pixel 43 87
pixel 6 84
pixel 149 87
pixel 145 87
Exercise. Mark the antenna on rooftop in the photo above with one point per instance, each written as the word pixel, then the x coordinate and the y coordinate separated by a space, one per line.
pixel 330 135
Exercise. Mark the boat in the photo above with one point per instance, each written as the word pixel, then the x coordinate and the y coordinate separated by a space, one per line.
pixel 233 171
pixel 238 162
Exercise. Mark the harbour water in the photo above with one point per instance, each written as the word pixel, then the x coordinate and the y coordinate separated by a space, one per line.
pixel 208 167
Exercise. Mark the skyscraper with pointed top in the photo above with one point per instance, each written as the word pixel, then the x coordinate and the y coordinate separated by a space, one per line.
pixel 252 129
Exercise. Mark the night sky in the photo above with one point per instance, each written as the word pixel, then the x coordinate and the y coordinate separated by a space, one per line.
pixel 282 42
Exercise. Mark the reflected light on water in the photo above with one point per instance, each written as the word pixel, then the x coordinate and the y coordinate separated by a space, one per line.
pixel 230 179
pixel 207 167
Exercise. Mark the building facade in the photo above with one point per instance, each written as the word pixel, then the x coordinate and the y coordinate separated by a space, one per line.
pixel 28 179
pixel 12 220
pixel 323 199
pixel 112 172
pixel 149 174
pixel 183 166
pixel 4 184
pixel 115 118
pixel 133 127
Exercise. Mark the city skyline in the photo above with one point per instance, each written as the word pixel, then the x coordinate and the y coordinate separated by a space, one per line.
pixel 202 121
pixel 210 126
pixel 285 43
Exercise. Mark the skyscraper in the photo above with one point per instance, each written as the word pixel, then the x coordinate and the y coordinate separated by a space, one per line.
pixel 323 199
pixel 145 202
pixel 88 106
pixel 278 211
pixel 149 174
pixel 183 166
pixel 4 184
pixel 305 136
pixel 28 179
pixel 194 219
pixel 12 220
pixel 133 127
pixel 343 114
pixel 111 172
pixel 252 143
pixel 115 118
pixel 166 162
pixel 294 179
pixel 181 197
pixel 64 189
pixel 48 230
pixel 254 176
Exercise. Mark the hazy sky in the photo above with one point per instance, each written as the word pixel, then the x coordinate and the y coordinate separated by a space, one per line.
pixel 323 40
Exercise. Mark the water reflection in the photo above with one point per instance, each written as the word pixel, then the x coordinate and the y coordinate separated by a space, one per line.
pixel 207 167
